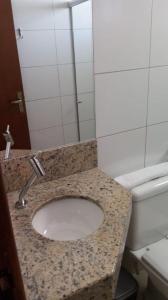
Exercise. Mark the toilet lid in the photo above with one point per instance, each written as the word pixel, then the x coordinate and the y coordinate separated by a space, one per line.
pixel 156 258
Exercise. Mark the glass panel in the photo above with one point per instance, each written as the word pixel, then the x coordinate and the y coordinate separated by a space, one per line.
pixel 83 58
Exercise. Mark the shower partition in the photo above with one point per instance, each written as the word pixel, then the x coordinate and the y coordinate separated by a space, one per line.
pixel 81 18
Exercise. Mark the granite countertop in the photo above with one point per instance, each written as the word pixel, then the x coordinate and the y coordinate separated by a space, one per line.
pixel 15 153
pixel 82 269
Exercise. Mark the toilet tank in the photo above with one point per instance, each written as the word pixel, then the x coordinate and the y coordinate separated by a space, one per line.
pixel 149 220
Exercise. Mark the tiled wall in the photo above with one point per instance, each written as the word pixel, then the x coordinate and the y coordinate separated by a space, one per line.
pixel 83 46
pixel 46 61
pixel 131 75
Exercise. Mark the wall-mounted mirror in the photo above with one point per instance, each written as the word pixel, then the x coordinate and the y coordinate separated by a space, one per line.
pixel 46 66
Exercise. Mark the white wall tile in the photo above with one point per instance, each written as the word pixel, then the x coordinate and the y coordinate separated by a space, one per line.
pixel 87 106
pixel 121 101
pixel 37 48
pixel 40 82
pixel 64 46
pixel 70 133
pixel 122 153
pixel 158 95
pixel 121 34
pixel 87 130
pixel 82 15
pixel 44 113
pixel 46 138
pixel 157 144
pixel 69 109
pixel 67 79
pixel 83 44
pixel 84 76
pixel 159 45
pixel 30 14
pixel 62 14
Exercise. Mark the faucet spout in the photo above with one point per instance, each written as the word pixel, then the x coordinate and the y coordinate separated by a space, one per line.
pixel 38 172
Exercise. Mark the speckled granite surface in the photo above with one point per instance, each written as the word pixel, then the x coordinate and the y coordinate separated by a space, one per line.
pixel 57 162
pixel 85 269
pixel 15 153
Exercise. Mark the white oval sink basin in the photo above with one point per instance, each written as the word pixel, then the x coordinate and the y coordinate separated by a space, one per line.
pixel 68 219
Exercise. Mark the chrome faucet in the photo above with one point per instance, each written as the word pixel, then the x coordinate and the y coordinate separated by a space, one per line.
pixel 9 142
pixel 38 171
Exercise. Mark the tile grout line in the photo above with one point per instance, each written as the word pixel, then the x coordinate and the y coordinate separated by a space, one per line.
pixel 58 96
pixel 54 65
pixel 54 126
pixel 132 129
pixel 134 69
pixel 59 125
pixel 54 29
pixel 120 132
pixel 148 95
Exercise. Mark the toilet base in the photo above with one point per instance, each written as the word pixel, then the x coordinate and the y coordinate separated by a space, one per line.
pixel 157 288
pixel 152 293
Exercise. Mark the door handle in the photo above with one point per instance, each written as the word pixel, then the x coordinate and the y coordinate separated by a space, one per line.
pixel 19 101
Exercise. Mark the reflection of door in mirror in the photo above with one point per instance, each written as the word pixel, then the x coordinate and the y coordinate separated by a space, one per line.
pixel 57 79
pixel 12 106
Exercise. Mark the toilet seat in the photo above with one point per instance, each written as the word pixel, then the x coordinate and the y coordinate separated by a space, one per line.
pixel 156 258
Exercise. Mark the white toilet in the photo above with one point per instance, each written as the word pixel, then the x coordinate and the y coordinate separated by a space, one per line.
pixel 148 232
